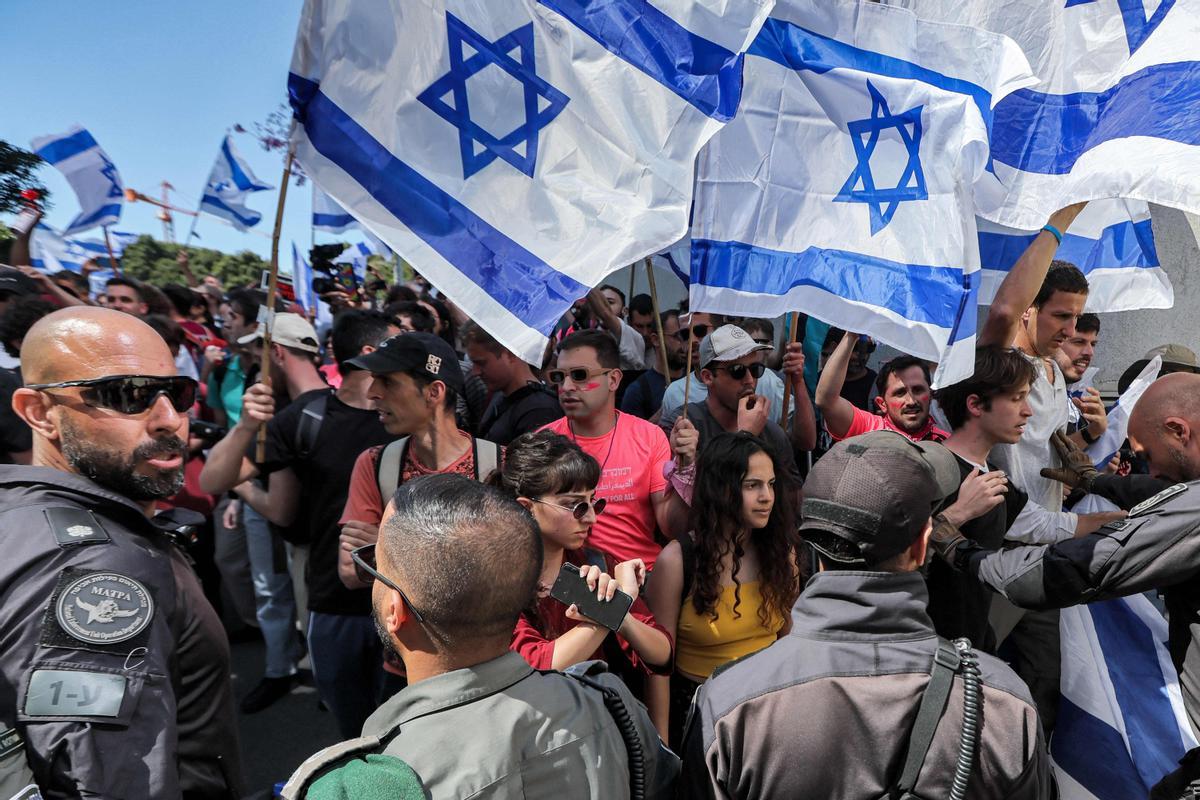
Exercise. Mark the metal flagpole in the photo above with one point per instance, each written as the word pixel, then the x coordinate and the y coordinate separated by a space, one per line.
pixel 260 452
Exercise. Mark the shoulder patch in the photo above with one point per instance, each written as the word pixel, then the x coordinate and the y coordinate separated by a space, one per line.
pixel 96 610
pixel 1158 499
pixel 323 760
pixel 74 526
pixel 74 693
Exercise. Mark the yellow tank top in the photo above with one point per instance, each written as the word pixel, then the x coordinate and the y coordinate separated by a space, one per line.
pixel 703 643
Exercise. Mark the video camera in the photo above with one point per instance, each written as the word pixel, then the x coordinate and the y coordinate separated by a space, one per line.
pixel 328 276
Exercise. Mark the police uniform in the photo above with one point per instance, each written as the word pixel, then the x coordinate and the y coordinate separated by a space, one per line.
pixel 113 664
pixel 1156 547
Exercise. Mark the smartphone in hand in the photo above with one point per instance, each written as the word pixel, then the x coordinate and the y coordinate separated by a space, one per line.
pixel 570 588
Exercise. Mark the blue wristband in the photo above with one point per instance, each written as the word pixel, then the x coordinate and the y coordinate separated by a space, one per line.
pixel 1053 231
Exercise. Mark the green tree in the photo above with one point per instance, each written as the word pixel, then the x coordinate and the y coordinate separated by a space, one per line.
pixel 16 174
pixel 156 262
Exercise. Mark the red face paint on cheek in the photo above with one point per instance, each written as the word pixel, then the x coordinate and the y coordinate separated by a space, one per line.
pixel 591 387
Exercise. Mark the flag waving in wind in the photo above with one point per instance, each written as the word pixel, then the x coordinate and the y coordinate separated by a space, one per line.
pixel 516 152
pixel 843 188
pixel 229 184
pixel 93 177
pixel 327 215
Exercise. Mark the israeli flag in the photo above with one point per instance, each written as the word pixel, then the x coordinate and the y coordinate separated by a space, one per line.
pixel 1111 242
pixel 91 174
pixel 1121 722
pixel 517 151
pixel 1106 446
pixel 229 184
pixel 328 216
pixel 843 188
pixel 1116 104
pixel 52 252
pixel 302 278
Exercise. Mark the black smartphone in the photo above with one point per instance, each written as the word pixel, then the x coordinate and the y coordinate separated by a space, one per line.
pixel 570 588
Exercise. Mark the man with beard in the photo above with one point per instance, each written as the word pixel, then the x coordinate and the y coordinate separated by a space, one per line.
pixel 644 396
pixel 903 398
pixel 1086 414
pixel 455 565
pixel 113 661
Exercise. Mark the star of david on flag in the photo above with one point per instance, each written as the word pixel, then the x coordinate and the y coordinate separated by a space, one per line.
pixel 519 146
pixel 516 152
pixel 1139 24
pixel 92 176
pixel 816 198
pixel 866 133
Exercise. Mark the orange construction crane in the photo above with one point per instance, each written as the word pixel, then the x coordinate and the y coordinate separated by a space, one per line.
pixel 165 208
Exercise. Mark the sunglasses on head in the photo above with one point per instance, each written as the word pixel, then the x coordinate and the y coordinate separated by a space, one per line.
pixel 580 509
pixel 738 371
pixel 578 375
pixel 367 571
pixel 699 331
pixel 130 394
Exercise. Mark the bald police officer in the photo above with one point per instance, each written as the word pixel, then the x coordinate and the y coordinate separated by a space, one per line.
pixel 113 664
pixel 1156 547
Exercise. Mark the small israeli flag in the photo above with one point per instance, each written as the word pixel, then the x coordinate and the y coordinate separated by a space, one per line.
pixel 1111 241
pixel 229 184
pixel 1117 100
pixel 517 151
pixel 52 252
pixel 328 216
pixel 843 188
pixel 302 278
pixel 92 176
pixel 1104 448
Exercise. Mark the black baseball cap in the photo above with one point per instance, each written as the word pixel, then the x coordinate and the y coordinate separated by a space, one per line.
pixel 870 496
pixel 414 354
pixel 15 282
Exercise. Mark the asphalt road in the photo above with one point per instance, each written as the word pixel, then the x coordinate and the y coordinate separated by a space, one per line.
pixel 274 741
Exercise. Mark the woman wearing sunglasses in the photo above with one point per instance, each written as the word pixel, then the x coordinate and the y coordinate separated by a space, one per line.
pixel 726 589
pixel 553 478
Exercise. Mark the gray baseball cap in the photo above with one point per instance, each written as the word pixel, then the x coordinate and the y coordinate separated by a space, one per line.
pixel 727 343
pixel 870 496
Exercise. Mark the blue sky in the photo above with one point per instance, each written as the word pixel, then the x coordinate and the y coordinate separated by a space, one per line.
pixel 157 84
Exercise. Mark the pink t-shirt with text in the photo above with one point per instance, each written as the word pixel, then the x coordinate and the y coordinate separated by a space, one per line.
pixel 865 422
pixel 631 457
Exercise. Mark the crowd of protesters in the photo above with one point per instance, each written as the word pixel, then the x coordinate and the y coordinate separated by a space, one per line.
pixel 395 510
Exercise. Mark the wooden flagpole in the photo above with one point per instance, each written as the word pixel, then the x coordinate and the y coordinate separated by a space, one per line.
pixel 662 341
pixel 116 265
pixel 687 376
pixel 787 390
pixel 260 451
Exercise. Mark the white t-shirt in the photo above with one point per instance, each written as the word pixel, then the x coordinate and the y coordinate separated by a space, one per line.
pixel 631 347
pixel 770 386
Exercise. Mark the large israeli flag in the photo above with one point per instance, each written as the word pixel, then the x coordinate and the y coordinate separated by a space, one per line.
pixel 229 184
pixel 328 215
pixel 516 152
pixel 1116 112
pixel 1111 241
pixel 91 174
pixel 843 188
pixel 1121 721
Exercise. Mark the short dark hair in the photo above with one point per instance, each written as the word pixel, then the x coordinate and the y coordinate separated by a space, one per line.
pixel 247 301
pixel 473 333
pixel 17 319
pixel 545 462
pixel 466 555
pixel 422 320
pixel 607 354
pixel 170 330
pixel 610 287
pixel 354 329
pixel 670 313
pixel 400 293
pixel 642 304
pixel 755 324
pixel 897 365
pixel 1062 276
pixel 182 298
pixel 998 370
pixel 1087 323
pixel 121 280
pixel 422 380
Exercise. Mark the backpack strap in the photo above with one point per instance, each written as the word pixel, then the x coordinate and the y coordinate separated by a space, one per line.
pixel 933 704
pixel 309 426
pixel 387 468
pixel 687 548
pixel 487 458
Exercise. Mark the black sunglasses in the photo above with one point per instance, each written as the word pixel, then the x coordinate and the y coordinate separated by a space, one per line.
pixel 130 394
pixel 738 371
pixel 578 375
pixel 700 331
pixel 364 567
pixel 580 509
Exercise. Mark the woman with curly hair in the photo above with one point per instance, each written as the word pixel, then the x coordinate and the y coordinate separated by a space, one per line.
pixel 552 477
pixel 725 589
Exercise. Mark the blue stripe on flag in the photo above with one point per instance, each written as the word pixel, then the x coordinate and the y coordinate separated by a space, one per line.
pixel 703 73
pixel 219 207
pixel 1132 659
pixel 1126 244
pixel 240 179
pixel 1047 133
pixel 331 220
pixel 798 48
pixel 529 288
pixel 915 292
pixel 1103 767
pixel 79 223
pixel 62 149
